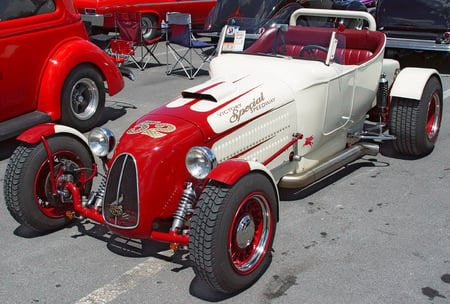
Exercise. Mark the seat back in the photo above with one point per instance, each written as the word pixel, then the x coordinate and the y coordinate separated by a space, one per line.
pixel 129 26
pixel 180 26
pixel 354 47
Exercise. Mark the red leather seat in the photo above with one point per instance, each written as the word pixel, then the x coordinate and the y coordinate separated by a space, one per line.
pixel 361 45
pixel 345 56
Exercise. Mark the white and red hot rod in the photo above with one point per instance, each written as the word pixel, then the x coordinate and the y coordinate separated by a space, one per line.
pixel 203 171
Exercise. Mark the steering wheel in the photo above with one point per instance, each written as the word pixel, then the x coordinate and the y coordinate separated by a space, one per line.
pixel 309 49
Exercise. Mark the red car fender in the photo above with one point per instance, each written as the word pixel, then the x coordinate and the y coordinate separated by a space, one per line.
pixel 34 134
pixel 228 172
pixel 66 57
pixel 231 170
pixel 153 12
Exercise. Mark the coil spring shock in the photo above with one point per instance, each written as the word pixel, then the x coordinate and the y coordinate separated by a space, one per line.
pixel 383 94
pixel 96 197
pixel 100 194
pixel 187 200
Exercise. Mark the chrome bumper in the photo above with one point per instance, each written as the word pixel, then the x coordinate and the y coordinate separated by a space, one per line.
pixel 417 44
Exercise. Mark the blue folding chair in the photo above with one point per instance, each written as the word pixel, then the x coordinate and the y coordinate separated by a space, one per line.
pixel 179 32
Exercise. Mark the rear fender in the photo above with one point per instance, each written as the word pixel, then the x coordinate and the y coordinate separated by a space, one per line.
pixel 34 134
pixel 411 82
pixel 153 12
pixel 67 57
pixel 230 171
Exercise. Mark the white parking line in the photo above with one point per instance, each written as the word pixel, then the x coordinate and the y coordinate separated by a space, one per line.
pixel 124 283
pixel 447 94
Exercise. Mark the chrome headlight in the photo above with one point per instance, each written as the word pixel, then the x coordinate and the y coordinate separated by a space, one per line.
pixel 101 141
pixel 200 161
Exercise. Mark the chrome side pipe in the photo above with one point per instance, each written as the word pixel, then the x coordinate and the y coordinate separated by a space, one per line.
pixel 300 180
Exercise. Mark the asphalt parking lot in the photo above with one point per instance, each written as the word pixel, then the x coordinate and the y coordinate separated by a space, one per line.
pixel 377 231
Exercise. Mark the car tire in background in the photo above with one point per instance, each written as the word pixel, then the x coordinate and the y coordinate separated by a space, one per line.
pixel 150 25
pixel 82 98
pixel 416 124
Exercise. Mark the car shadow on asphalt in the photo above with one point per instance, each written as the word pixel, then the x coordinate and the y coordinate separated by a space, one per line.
pixel 132 248
pixel 138 248
pixel 302 193
pixel 7 148
pixel 114 110
pixel 199 289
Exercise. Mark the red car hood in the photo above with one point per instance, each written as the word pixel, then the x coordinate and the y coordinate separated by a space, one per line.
pixel 218 106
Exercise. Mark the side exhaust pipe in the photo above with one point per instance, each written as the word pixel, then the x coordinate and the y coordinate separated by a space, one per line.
pixel 300 180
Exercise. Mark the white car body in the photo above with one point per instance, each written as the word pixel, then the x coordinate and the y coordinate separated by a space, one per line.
pixel 203 171
pixel 323 102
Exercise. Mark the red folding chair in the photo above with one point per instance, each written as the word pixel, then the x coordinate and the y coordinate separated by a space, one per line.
pixel 130 38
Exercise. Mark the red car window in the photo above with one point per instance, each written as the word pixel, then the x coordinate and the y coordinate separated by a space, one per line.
pixel 15 9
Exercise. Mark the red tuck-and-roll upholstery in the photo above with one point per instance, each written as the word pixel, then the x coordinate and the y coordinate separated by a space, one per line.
pixel 354 47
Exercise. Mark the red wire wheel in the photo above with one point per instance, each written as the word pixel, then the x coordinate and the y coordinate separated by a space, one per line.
pixel 250 233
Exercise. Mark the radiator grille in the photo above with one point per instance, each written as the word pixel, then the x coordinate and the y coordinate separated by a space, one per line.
pixel 121 202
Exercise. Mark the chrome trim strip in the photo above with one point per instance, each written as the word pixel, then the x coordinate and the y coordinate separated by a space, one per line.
pixel 158 3
pixel 127 155
pixel 95 20
pixel 416 44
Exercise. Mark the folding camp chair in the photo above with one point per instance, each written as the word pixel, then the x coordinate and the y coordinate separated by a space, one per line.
pixel 180 33
pixel 130 38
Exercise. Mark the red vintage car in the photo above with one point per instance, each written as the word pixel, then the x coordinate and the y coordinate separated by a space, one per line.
pixel 49 71
pixel 100 12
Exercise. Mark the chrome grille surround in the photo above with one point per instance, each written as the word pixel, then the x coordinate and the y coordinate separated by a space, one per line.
pixel 121 201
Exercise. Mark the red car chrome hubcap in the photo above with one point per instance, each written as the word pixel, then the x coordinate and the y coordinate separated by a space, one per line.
pixel 250 233
pixel 434 116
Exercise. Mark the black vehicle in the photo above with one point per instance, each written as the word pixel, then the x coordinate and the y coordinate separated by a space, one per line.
pixel 261 12
pixel 419 25
pixel 254 15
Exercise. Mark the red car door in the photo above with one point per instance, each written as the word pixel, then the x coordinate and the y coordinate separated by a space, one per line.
pixel 27 39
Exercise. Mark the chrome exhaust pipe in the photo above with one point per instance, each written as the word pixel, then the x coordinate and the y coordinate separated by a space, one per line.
pixel 300 180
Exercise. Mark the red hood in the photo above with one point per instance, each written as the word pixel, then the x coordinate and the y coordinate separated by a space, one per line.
pixel 218 106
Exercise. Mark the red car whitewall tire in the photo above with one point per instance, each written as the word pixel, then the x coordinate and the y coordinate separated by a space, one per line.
pixel 27 186
pixel 150 26
pixel 416 124
pixel 232 232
